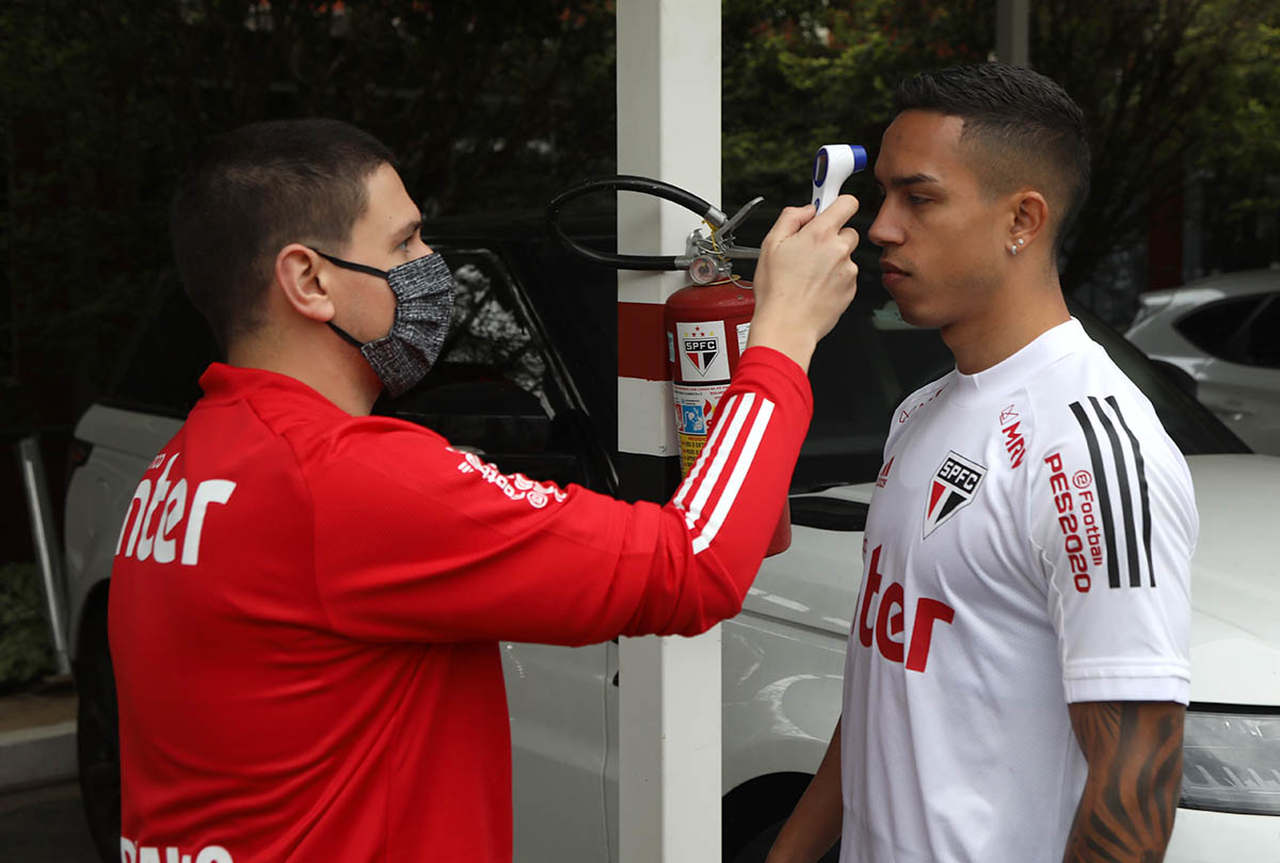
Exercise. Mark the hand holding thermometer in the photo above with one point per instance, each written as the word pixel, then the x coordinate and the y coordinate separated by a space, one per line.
pixel 831 167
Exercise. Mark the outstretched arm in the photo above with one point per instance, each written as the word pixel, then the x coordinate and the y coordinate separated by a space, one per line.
pixel 1134 751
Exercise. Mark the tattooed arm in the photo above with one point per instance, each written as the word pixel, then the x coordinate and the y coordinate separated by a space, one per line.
pixel 1134 751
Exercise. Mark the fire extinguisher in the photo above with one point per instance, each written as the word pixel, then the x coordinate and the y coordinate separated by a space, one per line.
pixel 707 322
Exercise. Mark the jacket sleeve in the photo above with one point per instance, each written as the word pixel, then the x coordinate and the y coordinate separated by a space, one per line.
pixel 417 541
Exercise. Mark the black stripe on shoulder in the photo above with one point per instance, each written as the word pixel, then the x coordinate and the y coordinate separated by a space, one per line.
pixel 1142 487
pixel 1104 496
pixel 1126 498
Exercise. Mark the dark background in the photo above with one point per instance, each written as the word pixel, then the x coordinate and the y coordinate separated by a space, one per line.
pixel 494 106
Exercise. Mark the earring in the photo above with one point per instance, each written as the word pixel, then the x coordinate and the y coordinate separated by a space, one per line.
pixel 1013 250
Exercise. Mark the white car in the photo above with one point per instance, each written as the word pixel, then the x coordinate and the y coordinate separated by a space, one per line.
pixel 522 382
pixel 1223 331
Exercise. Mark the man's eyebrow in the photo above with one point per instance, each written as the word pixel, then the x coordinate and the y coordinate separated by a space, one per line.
pixel 912 179
pixel 407 231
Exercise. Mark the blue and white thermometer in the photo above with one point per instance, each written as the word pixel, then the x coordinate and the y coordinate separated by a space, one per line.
pixel 834 164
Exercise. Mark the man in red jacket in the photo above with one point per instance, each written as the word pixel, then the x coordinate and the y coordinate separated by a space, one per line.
pixel 306 600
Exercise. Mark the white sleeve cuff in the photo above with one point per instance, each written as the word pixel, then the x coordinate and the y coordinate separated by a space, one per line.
pixel 1174 687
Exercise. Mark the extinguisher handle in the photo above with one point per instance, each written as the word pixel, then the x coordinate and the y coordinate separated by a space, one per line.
pixel 629 183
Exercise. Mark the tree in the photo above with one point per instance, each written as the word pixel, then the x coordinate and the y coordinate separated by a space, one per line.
pixel 1161 83
pixel 489 106
pixel 1170 87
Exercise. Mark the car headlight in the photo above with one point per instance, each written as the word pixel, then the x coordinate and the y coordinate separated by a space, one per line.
pixel 1231 762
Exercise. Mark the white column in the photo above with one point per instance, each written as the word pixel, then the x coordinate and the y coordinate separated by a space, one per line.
pixel 1013 19
pixel 669 701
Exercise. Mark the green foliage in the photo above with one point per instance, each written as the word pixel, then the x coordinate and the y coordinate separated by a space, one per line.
pixel 26 651
pixel 802 74
pixel 491 105
pixel 1168 86
pixel 500 104
pixel 1160 82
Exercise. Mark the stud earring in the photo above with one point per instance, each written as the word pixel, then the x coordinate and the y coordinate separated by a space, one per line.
pixel 1013 250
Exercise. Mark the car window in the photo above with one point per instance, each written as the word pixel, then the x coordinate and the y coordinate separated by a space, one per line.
pixel 869 362
pixel 1213 327
pixel 491 364
pixel 1260 342
pixel 163 358
pixel 1192 426
pixel 494 389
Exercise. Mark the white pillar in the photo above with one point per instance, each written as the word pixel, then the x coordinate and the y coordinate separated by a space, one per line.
pixel 669 700
pixel 1013 19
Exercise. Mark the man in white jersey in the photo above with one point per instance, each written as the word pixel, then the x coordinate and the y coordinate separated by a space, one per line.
pixel 1018 666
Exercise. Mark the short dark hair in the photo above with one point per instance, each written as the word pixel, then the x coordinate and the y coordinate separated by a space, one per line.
pixel 1033 131
pixel 253 191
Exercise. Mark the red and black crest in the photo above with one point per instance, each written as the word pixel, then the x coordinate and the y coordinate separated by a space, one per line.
pixel 953 485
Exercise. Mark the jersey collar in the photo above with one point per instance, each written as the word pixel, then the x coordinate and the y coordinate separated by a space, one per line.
pixel 1015 369
pixel 223 382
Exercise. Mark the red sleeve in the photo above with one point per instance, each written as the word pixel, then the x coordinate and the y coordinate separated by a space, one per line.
pixel 417 541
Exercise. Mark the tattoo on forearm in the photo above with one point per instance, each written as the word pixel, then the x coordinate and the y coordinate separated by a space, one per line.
pixel 1126 812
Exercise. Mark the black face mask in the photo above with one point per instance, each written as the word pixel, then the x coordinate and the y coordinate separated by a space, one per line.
pixel 423 289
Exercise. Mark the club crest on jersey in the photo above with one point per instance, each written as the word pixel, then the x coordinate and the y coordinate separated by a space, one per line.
pixel 953 485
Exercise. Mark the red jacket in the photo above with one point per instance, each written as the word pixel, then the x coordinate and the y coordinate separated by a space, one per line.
pixel 305 609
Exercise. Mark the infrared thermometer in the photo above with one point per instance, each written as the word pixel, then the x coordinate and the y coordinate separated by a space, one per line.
pixel 831 167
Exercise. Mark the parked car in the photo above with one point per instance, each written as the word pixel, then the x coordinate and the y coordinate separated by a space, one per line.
pixel 529 378
pixel 1223 331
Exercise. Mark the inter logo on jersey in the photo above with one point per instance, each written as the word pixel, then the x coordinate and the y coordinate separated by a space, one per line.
pixel 953 486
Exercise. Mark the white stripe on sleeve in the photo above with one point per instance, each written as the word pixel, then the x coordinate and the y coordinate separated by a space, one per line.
pixel 718 459
pixel 689 482
pixel 703 540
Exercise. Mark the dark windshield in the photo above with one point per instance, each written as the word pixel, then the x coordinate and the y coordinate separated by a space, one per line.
pixel 872 360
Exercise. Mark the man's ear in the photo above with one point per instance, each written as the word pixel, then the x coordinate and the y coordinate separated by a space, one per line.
pixel 297 277
pixel 1030 220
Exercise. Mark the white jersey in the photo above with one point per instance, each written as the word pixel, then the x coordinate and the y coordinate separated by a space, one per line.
pixel 1028 545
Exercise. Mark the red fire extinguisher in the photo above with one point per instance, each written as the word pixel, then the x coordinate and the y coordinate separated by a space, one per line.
pixel 707 322
pixel 707 328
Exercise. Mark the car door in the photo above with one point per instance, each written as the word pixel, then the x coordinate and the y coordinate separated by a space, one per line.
pixel 500 391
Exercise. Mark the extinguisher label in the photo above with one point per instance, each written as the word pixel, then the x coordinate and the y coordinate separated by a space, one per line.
pixel 703 354
pixel 695 408
pixel 744 330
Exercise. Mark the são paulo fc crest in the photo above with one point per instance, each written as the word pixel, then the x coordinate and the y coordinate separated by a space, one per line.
pixel 702 351
pixel 953 485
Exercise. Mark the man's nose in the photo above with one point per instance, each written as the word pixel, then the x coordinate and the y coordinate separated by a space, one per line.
pixel 883 231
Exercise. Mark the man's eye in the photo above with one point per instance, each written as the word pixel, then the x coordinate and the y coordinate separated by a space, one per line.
pixel 404 244
pixel 916 200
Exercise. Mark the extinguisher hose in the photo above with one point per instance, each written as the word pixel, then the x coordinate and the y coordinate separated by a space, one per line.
pixel 629 183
